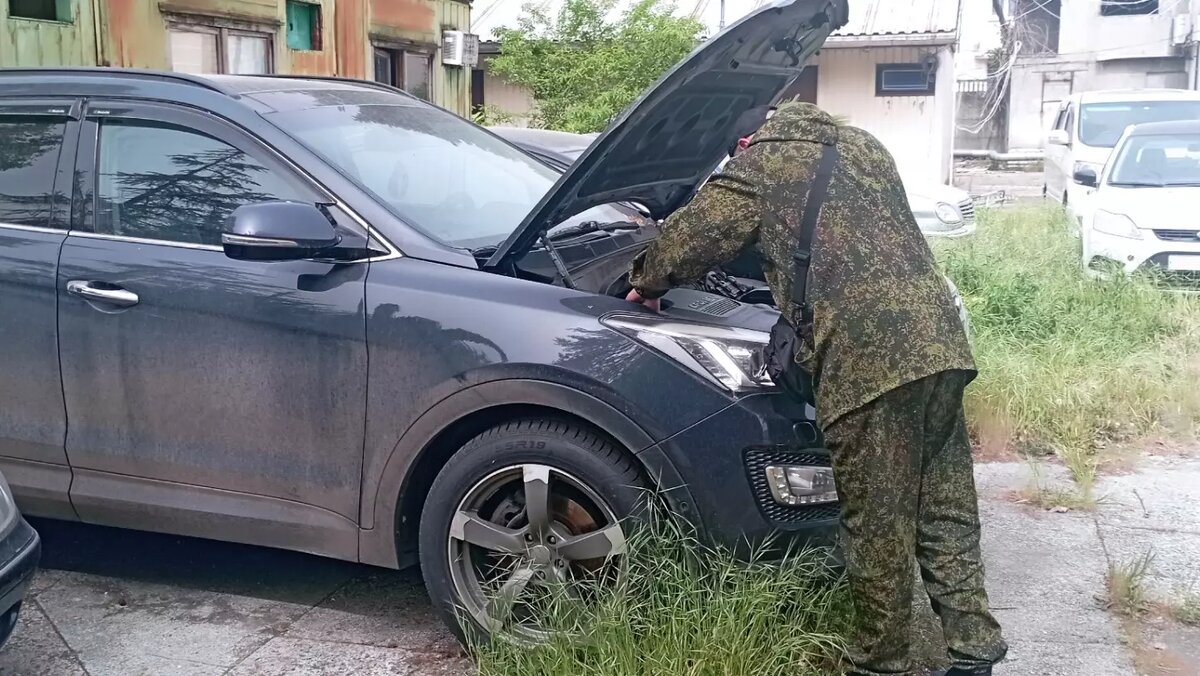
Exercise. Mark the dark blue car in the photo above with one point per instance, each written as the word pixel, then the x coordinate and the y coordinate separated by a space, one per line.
pixel 323 315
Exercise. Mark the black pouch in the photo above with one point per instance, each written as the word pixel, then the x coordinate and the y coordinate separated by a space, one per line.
pixel 782 366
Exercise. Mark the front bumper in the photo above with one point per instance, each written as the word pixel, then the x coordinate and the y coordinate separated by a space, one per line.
pixel 1163 252
pixel 721 462
pixel 20 552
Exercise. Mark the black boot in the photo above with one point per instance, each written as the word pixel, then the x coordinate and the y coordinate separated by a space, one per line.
pixel 965 671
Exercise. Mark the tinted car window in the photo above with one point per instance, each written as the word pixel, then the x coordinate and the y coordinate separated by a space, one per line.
pixel 1101 124
pixel 29 150
pixel 159 181
pixel 438 172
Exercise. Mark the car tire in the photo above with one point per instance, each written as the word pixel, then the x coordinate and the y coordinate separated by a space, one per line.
pixel 8 623
pixel 584 472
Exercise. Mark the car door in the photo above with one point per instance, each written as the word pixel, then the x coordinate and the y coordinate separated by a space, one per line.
pixel 1056 155
pixel 37 148
pixel 206 396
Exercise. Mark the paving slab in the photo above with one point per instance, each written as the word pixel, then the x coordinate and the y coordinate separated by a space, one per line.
pixel 1162 494
pixel 300 657
pixel 199 607
pixel 383 608
pixel 36 649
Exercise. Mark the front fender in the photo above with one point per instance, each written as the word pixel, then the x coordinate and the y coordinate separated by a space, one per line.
pixel 380 539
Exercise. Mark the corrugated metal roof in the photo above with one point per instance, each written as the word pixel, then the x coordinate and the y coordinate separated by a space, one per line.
pixel 869 18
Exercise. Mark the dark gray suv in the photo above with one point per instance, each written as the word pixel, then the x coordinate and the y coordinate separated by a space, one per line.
pixel 323 315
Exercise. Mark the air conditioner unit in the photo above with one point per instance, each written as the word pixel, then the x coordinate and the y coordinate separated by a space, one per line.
pixel 460 49
pixel 1181 30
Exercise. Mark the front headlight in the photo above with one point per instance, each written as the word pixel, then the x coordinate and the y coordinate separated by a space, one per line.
pixel 948 213
pixel 730 357
pixel 1118 225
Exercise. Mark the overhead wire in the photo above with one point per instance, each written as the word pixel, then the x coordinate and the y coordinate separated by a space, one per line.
pixel 1003 73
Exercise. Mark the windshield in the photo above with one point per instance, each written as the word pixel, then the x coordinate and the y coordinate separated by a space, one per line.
pixel 1159 160
pixel 1101 124
pixel 440 173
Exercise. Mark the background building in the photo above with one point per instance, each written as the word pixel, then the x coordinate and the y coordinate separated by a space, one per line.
pixel 402 42
pixel 1055 48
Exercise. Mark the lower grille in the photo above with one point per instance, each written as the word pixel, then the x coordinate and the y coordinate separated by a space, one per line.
pixel 967 207
pixel 757 460
pixel 1178 235
pixel 1188 280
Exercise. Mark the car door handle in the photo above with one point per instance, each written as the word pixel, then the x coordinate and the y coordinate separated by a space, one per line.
pixel 102 293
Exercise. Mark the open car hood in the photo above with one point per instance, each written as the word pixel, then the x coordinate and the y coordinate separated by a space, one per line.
pixel 664 145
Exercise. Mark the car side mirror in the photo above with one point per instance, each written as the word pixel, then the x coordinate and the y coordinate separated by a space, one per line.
pixel 1058 137
pixel 279 231
pixel 1086 176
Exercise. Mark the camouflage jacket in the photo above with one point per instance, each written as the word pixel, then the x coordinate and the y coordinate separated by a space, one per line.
pixel 883 315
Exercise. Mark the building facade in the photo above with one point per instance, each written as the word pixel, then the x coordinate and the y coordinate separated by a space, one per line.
pixel 1070 46
pixel 400 42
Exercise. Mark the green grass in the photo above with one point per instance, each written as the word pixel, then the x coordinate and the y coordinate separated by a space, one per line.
pixel 1041 493
pixel 1069 363
pixel 1127 585
pixel 684 609
pixel 1186 608
pixel 1066 364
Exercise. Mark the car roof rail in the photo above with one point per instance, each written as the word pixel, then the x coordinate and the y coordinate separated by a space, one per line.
pixel 336 78
pixel 105 71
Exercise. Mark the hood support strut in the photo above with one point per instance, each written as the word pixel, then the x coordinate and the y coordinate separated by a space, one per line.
pixel 559 263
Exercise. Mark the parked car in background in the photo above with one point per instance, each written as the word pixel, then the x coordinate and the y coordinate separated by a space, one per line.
pixel 20 549
pixel 201 266
pixel 1088 125
pixel 940 210
pixel 1142 213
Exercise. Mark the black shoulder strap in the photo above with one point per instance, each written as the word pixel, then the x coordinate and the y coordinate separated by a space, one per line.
pixel 808 224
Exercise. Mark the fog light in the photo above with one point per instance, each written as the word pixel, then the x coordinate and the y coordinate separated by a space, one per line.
pixel 801 485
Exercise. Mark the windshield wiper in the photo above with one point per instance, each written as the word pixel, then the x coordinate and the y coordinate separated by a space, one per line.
pixel 1135 184
pixel 588 227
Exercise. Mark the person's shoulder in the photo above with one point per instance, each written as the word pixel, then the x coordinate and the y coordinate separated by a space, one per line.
pixel 858 137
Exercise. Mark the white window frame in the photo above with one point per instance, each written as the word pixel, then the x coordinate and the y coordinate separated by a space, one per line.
pixel 215 27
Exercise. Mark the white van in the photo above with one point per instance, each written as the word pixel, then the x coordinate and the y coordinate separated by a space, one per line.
pixel 1088 125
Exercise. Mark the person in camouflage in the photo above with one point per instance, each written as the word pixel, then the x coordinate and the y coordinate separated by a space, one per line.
pixel 889 358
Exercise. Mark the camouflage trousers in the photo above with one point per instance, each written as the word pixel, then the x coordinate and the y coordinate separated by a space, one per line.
pixel 904 475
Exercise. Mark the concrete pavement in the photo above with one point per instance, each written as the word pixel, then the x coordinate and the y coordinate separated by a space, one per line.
pixel 120 603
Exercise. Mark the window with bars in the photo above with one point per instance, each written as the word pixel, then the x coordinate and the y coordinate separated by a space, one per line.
pixel 409 70
pixel 211 49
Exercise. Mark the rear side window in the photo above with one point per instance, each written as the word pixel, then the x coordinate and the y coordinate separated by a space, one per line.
pixel 159 181
pixel 29 149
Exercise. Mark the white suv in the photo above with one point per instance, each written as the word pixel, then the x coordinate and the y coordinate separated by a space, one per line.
pixel 1088 125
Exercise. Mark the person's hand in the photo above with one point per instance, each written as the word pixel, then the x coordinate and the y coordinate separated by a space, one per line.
pixel 652 303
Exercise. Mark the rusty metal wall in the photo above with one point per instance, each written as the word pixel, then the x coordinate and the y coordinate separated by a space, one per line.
pixel 452 84
pixel 30 42
pixel 133 34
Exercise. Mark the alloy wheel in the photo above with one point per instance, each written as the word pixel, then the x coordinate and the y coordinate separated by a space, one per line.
pixel 523 531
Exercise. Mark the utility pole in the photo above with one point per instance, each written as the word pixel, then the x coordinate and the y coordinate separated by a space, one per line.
pixel 721 19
